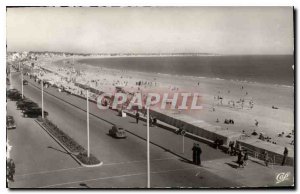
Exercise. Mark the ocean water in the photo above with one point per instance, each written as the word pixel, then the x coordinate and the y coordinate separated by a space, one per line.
pixel 271 69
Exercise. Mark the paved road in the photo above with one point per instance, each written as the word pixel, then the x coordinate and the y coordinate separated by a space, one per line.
pixel 124 160
pixel 33 149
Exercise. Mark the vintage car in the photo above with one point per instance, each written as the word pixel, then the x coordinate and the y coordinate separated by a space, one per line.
pixel 11 92
pixel 22 101
pixel 25 82
pixel 34 112
pixel 15 96
pixel 117 132
pixel 10 122
pixel 26 105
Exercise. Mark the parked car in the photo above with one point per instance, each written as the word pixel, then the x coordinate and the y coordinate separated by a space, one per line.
pixel 11 92
pixel 27 105
pixel 22 101
pixel 15 96
pixel 10 122
pixel 34 112
pixel 117 132
pixel 25 82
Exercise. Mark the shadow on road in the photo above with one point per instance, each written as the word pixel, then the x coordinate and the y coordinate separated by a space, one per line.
pixel 84 185
pixel 185 160
pixel 50 147
pixel 235 166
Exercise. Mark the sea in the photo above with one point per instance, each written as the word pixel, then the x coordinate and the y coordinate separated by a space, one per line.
pixel 270 69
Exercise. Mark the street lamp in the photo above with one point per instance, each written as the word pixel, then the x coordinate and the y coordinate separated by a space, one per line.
pixel 148 150
pixel 42 82
pixel 87 122
pixel 22 84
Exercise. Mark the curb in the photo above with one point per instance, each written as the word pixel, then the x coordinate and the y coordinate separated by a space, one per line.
pixel 66 149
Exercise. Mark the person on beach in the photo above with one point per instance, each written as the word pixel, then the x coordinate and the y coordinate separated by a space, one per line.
pixel 256 123
pixel 285 154
pixel 137 117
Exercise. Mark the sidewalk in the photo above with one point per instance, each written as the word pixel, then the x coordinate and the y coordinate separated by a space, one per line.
pixel 255 174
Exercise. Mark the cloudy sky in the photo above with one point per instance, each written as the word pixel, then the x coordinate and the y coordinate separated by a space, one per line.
pixel 220 30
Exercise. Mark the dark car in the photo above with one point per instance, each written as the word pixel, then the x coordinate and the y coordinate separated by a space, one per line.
pixel 11 92
pixel 10 122
pixel 25 82
pixel 27 105
pixel 23 100
pixel 16 96
pixel 34 112
pixel 117 132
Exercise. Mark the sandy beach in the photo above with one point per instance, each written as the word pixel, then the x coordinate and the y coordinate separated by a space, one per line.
pixel 266 108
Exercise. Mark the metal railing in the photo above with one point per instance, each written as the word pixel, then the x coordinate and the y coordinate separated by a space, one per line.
pixel 261 156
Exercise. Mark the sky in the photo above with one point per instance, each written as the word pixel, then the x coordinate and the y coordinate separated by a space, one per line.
pixel 217 30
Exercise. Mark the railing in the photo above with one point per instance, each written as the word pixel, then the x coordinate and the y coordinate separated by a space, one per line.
pixel 260 156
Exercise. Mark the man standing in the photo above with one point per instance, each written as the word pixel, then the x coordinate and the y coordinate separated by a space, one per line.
pixel 240 160
pixel 137 116
pixel 285 154
pixel 199 151
pixel 266 158
pixel 194 153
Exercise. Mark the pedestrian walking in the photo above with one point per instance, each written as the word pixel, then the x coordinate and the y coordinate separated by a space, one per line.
pixel 137 116
pixel 237 148
pixel 217 143
pixel 246 158
pixel 266 158
pixel 194 153
pixel 240 159
pixel 199 152
pixel 285 154
pixel 231 148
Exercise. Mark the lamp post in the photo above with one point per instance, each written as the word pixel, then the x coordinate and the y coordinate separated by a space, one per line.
pixel 88 122
pixel 22 84
pixel 148 150
pixel 42 82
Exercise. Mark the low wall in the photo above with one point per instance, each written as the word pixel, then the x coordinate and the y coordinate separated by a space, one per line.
pixel 196 127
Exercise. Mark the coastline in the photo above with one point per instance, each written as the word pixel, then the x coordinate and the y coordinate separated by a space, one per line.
pixel 275 70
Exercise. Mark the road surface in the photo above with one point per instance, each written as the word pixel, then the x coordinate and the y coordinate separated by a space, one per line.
pixel 124 160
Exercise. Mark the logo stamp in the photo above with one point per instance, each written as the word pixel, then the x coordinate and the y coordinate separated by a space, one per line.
pixel 282 177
